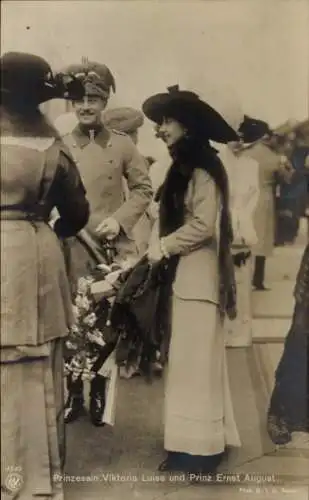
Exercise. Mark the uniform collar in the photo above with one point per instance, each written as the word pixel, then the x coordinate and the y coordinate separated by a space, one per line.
pixel 101 136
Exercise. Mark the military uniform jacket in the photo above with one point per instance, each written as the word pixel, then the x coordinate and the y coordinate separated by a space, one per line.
pixel 104 163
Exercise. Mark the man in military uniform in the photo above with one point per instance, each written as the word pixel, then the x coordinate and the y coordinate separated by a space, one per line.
pixel 105 159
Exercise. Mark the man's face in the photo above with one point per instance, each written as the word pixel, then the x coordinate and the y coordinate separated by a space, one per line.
pixel 89 110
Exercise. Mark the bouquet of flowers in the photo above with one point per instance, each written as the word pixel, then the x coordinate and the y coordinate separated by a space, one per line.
pixel 91 339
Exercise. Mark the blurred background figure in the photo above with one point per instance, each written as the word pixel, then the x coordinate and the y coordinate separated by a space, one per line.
pixel 243 175
pixel 263 143
pixel 126 120
pixel 292 197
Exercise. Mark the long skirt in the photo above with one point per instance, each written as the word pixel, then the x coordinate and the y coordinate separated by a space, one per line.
pixel 32 426
pixel 290 398
pixel 199 417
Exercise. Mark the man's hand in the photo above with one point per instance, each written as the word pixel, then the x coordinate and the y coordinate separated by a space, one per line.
pixel 108 229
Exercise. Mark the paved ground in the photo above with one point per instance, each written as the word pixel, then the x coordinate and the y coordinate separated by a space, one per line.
pixel 120 463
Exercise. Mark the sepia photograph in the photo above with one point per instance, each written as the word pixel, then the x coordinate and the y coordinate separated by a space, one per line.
pixel 154 249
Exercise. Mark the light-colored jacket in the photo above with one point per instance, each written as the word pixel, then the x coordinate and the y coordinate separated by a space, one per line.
pixel 243 176
pixel 264 216
pixel 197 275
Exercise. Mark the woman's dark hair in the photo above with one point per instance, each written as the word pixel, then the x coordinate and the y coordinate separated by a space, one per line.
pixel 194 123
pixel 195 150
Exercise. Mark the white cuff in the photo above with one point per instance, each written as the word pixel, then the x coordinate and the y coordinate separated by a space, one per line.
pixel 163 249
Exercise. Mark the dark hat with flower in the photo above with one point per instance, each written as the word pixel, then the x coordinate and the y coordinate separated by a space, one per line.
pixel 96 78
pixel 252 129
pixel 29 77
pixel 124 119
pixel 187 108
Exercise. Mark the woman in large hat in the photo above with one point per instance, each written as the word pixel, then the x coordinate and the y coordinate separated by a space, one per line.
pixel 262 143
pixel 37 175
pixel 192 238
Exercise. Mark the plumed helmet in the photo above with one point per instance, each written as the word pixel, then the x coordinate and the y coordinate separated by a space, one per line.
pixel 96 78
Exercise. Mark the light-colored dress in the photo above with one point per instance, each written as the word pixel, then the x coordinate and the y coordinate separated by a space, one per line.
pixel 198 410
pixel 243 175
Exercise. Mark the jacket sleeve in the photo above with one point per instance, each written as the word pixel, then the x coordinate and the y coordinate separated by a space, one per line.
pixel 245 204
pixel 69 197
pixel 201 222
pixel 139 186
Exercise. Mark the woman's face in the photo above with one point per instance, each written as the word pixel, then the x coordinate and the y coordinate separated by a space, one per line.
pixel 171 131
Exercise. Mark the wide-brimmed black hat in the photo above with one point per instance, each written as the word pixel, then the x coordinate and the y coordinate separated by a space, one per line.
pixel 29 77
pixel 195 114
pixel 252 129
